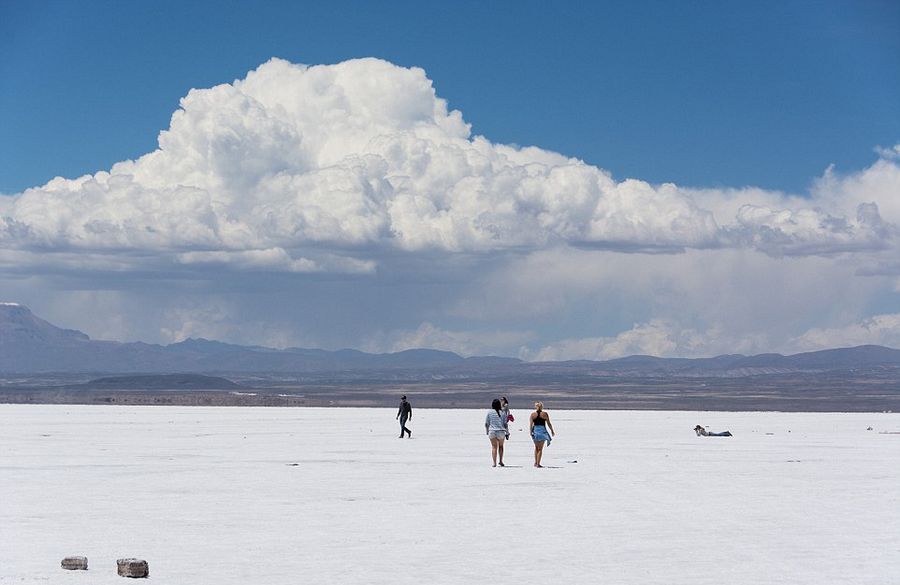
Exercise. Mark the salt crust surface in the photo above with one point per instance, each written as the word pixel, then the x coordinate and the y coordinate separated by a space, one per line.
pixel 282 496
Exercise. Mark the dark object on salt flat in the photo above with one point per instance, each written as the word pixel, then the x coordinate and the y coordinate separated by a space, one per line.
pixel 135 568
pixel 702 432
pixel 74 563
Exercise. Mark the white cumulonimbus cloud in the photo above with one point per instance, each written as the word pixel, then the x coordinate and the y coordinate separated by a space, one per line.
pixel 301 168
pixel 297 172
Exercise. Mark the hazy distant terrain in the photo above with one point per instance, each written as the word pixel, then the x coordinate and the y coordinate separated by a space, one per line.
pixel 789 393
pixel 41 363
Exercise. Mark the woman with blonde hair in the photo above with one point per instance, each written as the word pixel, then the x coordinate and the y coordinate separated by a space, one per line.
pixel 540 420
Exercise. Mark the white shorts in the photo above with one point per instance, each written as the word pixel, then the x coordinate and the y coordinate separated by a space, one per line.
pixel 497 435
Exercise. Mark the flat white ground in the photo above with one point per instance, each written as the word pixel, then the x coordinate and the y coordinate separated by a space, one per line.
pixel 254 496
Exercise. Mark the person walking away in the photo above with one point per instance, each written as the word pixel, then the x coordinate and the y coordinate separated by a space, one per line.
pixel 404 414
pixel 496 431
pixel 505 415
pixel 540 420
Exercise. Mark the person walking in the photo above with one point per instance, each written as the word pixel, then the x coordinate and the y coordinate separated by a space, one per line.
pixel 495 427
pixel 540 420
pixel 404 414
pixel 505 415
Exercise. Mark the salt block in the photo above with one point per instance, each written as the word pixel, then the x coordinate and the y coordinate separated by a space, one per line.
pixel 75 563
pixel 135 568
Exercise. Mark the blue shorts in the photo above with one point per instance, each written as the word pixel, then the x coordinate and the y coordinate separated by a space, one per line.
pixel 541 434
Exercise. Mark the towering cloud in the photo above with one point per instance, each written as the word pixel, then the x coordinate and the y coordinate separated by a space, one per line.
pixel 338 169
pixel 294 167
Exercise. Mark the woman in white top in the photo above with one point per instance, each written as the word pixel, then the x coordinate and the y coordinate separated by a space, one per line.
pixel 495 427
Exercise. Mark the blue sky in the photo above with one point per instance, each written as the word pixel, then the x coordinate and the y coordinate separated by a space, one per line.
pixel 698 93
pixel 667 178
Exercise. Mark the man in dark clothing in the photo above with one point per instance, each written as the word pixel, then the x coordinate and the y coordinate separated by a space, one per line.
pixel 404 414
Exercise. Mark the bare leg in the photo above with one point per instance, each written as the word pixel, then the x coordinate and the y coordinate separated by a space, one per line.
pixel 494 446
pixel 538 453
pixel 500 451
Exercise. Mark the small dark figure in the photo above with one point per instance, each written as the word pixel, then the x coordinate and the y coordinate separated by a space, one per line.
pixel 701 432
pixel 404 414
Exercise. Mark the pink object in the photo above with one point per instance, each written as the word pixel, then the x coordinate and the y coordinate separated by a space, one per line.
pixel 510 418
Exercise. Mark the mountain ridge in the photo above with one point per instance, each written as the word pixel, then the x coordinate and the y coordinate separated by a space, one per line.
pixel 29 344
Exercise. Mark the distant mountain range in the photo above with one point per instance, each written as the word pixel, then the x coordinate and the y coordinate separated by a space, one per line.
pixel 29 344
